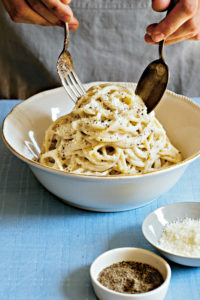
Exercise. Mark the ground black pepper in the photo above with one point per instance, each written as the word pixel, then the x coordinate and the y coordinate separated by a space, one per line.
pixel 130 277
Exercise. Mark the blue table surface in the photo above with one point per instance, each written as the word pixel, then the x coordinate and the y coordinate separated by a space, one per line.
pixel 46 247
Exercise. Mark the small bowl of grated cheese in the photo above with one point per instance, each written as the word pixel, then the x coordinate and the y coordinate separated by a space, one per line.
pixel 174 231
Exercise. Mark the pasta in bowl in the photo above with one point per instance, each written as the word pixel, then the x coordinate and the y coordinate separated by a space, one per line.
pixel 108 133
pixel 109 189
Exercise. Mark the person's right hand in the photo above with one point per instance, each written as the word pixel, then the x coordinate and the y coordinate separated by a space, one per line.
pixel 42 12
pixel 182 23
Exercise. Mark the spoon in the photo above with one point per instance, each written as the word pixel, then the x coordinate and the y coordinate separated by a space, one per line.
pixel 154 80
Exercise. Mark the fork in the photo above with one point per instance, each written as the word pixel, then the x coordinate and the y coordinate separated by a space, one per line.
pixel 68 77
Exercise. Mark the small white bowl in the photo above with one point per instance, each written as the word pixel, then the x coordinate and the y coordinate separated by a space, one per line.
pixel 129 254
pixel 155 222
pixel 23 132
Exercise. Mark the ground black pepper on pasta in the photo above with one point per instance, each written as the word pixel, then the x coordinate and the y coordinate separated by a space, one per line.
pixel 108 116
pixel 130 277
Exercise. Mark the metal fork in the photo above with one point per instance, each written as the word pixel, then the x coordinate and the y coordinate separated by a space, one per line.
pixel 69 79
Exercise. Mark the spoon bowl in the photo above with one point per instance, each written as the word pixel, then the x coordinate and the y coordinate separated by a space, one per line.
pixel 154 81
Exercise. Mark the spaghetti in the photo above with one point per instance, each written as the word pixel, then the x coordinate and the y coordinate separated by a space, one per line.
pixel 108 133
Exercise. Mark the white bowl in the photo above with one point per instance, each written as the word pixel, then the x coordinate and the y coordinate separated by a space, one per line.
pixel 155 222
pixel 23 132
pixel 129 254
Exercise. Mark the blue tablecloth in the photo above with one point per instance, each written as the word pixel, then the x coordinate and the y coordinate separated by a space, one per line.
pixel 46 247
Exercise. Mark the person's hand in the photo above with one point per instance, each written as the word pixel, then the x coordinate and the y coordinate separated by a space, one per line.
pixel 42 12
pixel 182 23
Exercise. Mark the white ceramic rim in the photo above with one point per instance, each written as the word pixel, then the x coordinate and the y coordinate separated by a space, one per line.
pixel 163 249
pixel 91 177
pixel 166 280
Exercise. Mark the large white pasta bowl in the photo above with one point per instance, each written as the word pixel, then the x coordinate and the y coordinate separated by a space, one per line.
pixel 23 132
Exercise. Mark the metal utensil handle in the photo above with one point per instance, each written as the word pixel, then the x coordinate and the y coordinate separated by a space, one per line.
pixel 66 42
pixel 161 43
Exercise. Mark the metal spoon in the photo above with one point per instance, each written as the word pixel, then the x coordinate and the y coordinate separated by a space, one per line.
pixel 154 80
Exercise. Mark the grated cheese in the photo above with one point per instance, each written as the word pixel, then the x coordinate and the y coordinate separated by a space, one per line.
pixel 182 237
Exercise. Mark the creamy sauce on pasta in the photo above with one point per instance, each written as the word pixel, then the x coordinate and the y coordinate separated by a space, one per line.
pixel 108 133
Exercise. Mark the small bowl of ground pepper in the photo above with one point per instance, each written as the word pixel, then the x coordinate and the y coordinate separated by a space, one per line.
pixel 130 273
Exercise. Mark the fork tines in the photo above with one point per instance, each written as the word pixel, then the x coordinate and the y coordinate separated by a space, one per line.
pixel 69 79
pixel 73 86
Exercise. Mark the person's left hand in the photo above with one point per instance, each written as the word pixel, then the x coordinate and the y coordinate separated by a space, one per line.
pixel 182 23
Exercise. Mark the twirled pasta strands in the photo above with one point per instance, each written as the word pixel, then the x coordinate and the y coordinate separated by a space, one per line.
pixel 108 133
